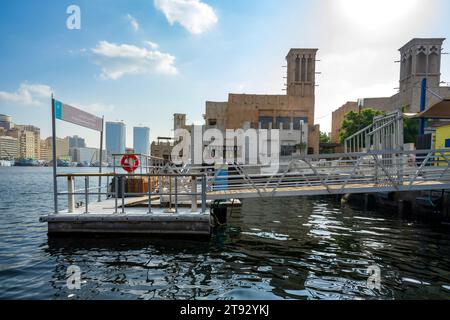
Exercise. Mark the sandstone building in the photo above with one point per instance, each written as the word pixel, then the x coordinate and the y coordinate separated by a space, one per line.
pixel 289 112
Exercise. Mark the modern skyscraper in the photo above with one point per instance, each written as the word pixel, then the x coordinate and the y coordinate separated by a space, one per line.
pixel 76 142
pixel 141 140
pixel 115 138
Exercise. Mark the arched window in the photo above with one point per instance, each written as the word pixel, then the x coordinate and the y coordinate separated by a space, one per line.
pixel 297 69
pixel 433 63
pixel 403 68
pixel 303 69
pixel 421 66
pixel 309 75
pixel 409 66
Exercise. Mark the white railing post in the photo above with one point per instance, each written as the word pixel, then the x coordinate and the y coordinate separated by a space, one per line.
pixel 70 192
pixel 86 193
pixel 194 194
pixel 204 194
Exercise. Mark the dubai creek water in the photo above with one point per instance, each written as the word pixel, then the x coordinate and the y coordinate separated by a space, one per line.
pixel 292 248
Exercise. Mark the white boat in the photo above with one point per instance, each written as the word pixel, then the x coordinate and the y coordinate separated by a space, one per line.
pixel 6 163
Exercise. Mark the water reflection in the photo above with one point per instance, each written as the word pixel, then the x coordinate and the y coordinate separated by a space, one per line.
pixel 295 248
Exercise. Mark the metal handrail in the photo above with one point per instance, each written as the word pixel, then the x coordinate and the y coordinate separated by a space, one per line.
pixel 71 192
pixel 377 169
pixel 389 167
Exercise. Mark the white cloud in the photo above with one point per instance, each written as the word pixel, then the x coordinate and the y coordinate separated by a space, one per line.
pixel 134 23
pixel 152 45
pixel 27 94
pixel 195 16
pixel 118 60
pixel 358 43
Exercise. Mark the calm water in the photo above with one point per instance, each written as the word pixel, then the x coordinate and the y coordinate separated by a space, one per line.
pixel 271 249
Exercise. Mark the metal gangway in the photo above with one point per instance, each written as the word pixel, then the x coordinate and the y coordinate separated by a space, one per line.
pixel 374 161
pixel 358 172
pixel 385 133
pixel 368 172
pixel 333 174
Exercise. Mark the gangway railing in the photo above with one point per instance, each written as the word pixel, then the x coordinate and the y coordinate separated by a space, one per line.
pixel 358 172
pixel 147 164
pixel 373 171
pixel 167 185
pixel 385 133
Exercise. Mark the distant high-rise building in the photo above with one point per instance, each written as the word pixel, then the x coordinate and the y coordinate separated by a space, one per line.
pixel 25 140
pixel 25 143
pixel 46 150
pixel 62 148
pixel 115 138
pixel 76 142
pixel 6 122
pixel 37 137
pixel 141 140
pixel 8 147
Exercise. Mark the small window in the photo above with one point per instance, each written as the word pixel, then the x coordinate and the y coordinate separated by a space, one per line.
pixel 297 121
pixel 287 150
pixel 283 123
pixel 265 122
pixel 447 143
pixel 212 122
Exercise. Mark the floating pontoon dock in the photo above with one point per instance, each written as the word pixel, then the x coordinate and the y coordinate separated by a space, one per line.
pixel 125 212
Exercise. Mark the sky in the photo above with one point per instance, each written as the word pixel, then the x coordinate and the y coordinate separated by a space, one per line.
pixel 141 61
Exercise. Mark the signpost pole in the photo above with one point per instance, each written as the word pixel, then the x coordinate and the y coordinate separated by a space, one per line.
pixel 101 161
pixel 55 180
pixel 76 116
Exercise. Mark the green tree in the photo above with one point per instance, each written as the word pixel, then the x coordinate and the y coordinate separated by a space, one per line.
pixel 324 137
pixel 410 129
pixel 355 121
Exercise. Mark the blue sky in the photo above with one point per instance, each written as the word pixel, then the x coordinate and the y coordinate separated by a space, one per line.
pixel 141 61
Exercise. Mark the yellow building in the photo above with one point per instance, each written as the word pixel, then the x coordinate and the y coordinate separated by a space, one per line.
pixel 62 149
pixel 443 141
pixel 46 151
pixel 443 137
pixel 8 147
pixel 37 138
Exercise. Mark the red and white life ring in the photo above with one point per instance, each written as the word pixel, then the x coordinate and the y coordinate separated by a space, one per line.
pixel 129 163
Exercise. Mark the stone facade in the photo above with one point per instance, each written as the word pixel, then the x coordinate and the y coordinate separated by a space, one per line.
pixel 419 59
pixel 216 115
pixel 338 118
pixel 274 111
pixel 162 150
pixel 179 121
